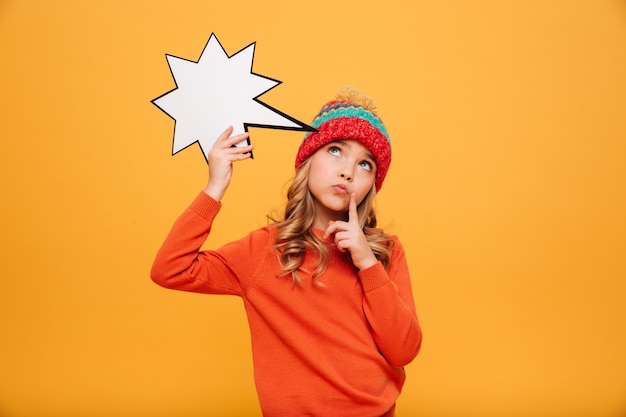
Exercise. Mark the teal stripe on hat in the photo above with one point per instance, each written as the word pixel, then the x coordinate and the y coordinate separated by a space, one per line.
pixel 351 112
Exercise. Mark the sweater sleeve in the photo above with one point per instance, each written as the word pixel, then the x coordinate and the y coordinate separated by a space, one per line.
pixel 390 309
pixel 180 265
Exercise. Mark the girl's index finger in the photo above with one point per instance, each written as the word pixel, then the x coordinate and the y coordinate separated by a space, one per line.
pixel 227 140
pixel 353 215
pixel 225 134
pixel 235 139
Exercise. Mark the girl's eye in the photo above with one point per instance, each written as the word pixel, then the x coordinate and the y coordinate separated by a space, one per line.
pixel 365 165
pixel 334 150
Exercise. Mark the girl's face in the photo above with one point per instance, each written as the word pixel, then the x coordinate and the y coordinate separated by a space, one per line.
pixel 337 170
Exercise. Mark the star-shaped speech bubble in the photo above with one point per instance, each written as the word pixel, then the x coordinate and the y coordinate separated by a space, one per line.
pixel 216 92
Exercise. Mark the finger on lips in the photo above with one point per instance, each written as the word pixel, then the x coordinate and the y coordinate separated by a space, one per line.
pixel 352 212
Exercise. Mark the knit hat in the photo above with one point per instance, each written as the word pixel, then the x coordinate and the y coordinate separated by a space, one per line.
pixel 352 115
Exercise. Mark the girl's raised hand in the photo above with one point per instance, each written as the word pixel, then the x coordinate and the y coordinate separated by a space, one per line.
pixel 221 157
pixel 349 237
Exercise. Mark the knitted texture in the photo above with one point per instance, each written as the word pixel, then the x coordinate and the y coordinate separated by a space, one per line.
pixel 317 351
pixel 352 115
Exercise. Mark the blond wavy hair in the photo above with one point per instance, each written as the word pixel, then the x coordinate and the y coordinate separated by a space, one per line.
pixel 295 237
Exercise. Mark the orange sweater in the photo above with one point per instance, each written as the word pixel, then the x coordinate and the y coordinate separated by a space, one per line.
pixel 332 350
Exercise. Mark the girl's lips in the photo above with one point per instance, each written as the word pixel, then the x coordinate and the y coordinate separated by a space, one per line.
pixel 340 188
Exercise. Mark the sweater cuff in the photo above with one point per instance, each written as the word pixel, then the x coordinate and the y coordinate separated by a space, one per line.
pixel 373 277
pixel 205 206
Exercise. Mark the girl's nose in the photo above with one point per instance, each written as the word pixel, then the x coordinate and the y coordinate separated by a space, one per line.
pixel 346 174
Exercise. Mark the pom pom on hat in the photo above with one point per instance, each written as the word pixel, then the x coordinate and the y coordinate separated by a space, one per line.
pixel 352 115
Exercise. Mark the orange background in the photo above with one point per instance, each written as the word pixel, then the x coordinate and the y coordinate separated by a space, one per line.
pixel 507 188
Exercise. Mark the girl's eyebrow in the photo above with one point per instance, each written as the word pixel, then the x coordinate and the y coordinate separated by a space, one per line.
pixel 371 157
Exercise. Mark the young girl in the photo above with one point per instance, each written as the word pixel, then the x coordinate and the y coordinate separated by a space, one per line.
pixel 327 294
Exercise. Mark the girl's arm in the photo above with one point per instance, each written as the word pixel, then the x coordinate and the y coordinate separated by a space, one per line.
pixel 388 303
pixel 179 264
pixel 390 309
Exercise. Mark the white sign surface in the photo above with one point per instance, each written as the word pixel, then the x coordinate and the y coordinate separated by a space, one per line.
pixel 216 92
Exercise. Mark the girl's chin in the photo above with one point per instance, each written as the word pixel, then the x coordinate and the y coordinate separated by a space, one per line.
pixel 336 206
